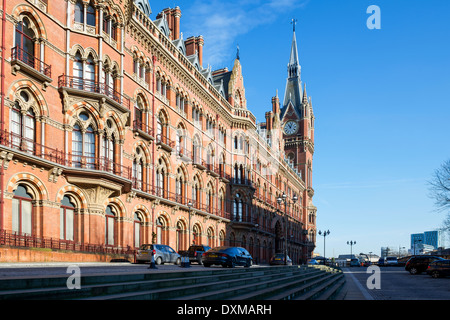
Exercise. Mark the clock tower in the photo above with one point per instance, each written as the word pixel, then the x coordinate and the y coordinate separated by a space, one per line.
pixel 297 124
pixel 297 119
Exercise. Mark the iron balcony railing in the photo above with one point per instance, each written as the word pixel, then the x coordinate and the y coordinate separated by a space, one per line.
pixel 15 239
pixel 19 54
pixel 93 86
pixel 72 160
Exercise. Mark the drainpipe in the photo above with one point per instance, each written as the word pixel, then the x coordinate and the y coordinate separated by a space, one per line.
pixel 153 144
pixel 2 93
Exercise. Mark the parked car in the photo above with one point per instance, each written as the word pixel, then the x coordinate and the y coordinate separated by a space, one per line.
pixel 381 262
pixel 391 261
pixel 278 258
pixel 195 253
pixel 162 252
pixel 355 263
pixel 227 257
pixel 419 264
pixel 313 261
pixel 439 268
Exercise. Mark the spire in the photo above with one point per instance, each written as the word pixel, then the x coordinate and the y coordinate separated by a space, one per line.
pixel 305 97
pixel 293 93
pixel 294 65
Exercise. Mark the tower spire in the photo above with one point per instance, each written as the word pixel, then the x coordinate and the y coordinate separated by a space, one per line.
pixel 293 93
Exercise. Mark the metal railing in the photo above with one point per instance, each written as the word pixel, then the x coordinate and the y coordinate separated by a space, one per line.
pixel 19 54
pixel 15 239
pixel 139 125
pixel 72 160
pixel 93 86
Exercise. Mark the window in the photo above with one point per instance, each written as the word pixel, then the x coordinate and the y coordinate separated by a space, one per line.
pixel 79 11
pixel 66 219
pixel 138 169
pixel 24 40
pixel 83 145
pixel 23 129
pixel 238 207
pixel 160 178
pixel 109 148
pixel 109 226
pixel 22 211
pixel 137 229
pixel 90 12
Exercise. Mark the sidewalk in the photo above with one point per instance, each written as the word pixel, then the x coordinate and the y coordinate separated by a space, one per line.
pixel 354 290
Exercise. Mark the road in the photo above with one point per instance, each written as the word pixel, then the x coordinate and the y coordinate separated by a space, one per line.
pixel 397 284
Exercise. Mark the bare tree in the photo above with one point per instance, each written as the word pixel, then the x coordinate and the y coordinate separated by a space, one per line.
pixel 440 190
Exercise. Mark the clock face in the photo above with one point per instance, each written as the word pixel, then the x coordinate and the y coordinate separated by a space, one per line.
pixel 290 127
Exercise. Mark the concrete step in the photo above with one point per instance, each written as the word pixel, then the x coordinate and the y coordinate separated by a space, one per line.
pixel 216 289
pixel 211 284
pixel 97 285
pixel 248 286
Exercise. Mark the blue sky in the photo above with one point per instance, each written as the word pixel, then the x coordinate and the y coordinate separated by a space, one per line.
pixel 380 99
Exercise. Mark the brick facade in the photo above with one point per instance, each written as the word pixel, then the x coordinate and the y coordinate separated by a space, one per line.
pixel 120 137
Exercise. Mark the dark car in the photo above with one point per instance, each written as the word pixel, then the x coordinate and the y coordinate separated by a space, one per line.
pixel 227 257
pixel 381 262
pixel 278 258
pixel 439 268
pixel 195 253
pixel 419 264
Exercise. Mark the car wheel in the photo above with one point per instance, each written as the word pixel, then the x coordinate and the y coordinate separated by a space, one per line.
pixel 249 263
pixel 178 262
pixel 233 262
pixel 158 261
pixel 206 265
pixel 435 274
pixel 413 271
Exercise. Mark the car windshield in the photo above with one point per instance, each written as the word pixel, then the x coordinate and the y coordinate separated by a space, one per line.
pixel 146 247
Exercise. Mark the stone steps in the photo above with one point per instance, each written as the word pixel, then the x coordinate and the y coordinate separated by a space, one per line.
pixel 279 282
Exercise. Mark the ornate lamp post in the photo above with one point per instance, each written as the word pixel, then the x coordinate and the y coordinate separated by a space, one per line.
pixel 324 234
pixel 283 198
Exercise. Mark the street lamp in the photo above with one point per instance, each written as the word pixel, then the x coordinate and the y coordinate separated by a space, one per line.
pixel 324 234
pixel 283 198
pixel 351 243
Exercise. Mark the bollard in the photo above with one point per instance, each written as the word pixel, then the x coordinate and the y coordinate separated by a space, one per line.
pixel 152 262
pixel 185 263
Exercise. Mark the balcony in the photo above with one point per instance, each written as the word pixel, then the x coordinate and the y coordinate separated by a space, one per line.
pixel 143 130
pixel 29 150
pixel 198 163
pixel 22 60
pixel 212 170
pixel 94 89
pixel 184 154
pixel 162 141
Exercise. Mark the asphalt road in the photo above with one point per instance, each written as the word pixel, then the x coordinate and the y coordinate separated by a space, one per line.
pixel 397 284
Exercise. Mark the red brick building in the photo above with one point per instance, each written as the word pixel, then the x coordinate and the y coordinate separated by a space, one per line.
pixel 113 134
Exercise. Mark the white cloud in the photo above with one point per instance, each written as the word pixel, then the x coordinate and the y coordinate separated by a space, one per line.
pixel 222 22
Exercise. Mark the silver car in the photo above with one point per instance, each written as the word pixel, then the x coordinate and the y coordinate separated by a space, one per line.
pixel 163 254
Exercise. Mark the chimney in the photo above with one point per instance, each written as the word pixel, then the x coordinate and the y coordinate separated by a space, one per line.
pixel 190 46
pixel 173 20
pixel 276 104
pixel 176 13
pixel 200 43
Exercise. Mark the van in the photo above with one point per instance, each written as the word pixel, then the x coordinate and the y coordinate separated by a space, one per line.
pixel 391 261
